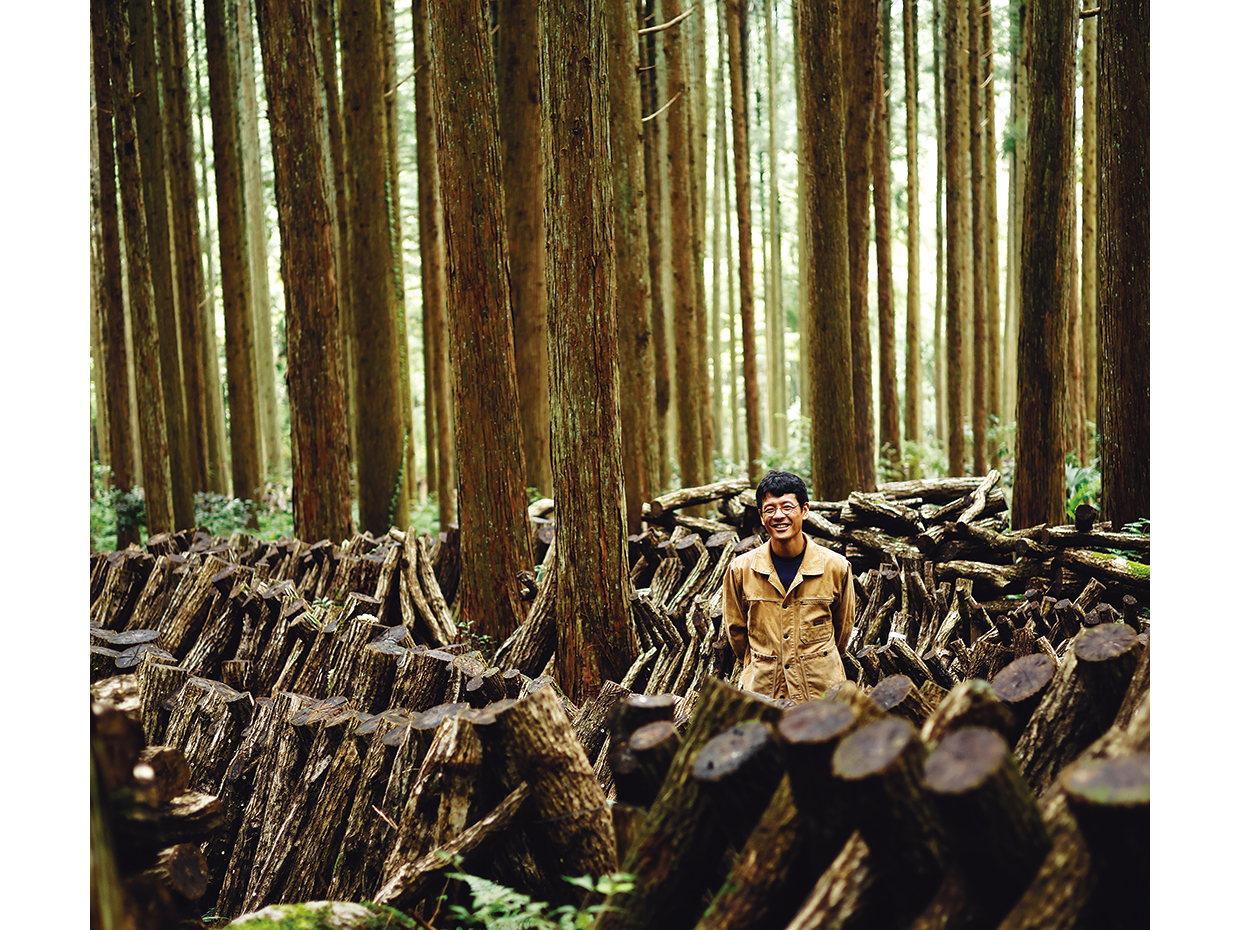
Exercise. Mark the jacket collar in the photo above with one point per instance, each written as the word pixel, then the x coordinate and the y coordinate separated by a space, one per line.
pixel 813 562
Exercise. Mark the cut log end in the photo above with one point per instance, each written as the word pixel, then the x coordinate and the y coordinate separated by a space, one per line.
pixel 1104 642
pixel 873 748
pixel 815 722
pixel 1023 678
pixel 964 760
pixel 733 750
pixel 1122 782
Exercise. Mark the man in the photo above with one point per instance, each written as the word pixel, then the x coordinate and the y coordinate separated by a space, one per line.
pixel 789 603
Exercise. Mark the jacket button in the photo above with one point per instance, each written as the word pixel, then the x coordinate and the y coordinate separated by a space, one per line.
pixel 787 665
pixel 786 635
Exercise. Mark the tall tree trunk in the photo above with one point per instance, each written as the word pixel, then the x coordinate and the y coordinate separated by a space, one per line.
pixel 218 464
pixel 381 491
pixel 954 175
pixel 150 127
pixel 1089 213
pixel 391 99
pixel 832 439
pixel 695 67
pixel 520 119
pixel 327 16
pixel 744 235
pixel 187 247
pixel 1019 129
pixel 322 500
pixel 684 282
pixel 1041 421
pixel 888 379
pixel 115 364
pixel 431 250
pixel 651 149
pixel 495 542
pixel 632 268
pixel 592 604
pixel 1124 259
pixel 775 315
pixel 260 277
pixel 940 258
pixel 719 384
pixel 977 198
pixel 156 477
pixel 234 269
pixel 860 38
pixel 723 149
pixel 802 268
pixel 912 324
pixel 1077 436
pixel 993 372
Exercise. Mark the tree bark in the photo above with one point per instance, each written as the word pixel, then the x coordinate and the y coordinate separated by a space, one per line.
pixel 940 373
pixel 520 108
pixel 495 540
pixel 994 369
pixel 260 282
pixel 1124 260
pixel 888 381
pixel 111 297
pixel 1089 213
pixel 1038 487
pixel 744 235
pixel 859 40
pixel 234 271
pixel 382 497
pixel 833 440
pixel 431 252
pixel 912 326
pixel 775 314
pixel 595 639
pixel 981 311
pixel 322 498
pixel 156 477
pixel 954 123
pixel 632 297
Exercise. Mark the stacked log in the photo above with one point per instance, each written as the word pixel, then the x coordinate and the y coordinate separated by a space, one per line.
pixel 318 703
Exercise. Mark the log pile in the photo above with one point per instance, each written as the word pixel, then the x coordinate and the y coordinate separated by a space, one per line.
pixel 317 703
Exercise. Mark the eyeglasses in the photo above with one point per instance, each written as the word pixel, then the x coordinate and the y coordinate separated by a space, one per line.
pixel 786 509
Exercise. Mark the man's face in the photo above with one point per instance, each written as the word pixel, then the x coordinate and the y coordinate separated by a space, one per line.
pixel 782 517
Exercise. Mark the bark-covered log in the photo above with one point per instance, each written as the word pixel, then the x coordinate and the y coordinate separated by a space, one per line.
pixel 127 575
pixel 1107 657
pixel 534 641
pixel 897 694
pixel 681 843
pixel 1110 799
pixel 995 833
pixel 640 763
pixel 849 895
pixel 739 770
pixel 970 703
pixel 1022 683
pixel 690 497
pixel 880 771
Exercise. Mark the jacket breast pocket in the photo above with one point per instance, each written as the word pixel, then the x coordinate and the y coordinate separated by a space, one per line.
pixel 815 619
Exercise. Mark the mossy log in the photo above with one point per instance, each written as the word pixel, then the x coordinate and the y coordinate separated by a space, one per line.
pixel 971 703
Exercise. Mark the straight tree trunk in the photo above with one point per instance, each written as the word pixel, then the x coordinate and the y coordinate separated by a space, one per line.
pixel 156 479
pixel 1041 421
pixel 1077 434
pixel 431 249
pixel 651 149
pixel 592 605
pixel 187 245
pixel 722 148
pixel 381 491
pixel 888 380
pixel 719 384
pixel 495 539
pixel 777 367
pixel 1089 213
pixel 260 280
pixel 327 16
pixel 977 197
pixel 954 122
pixel 218 465
pixel 115 363
pixel 520 110
pixel 1020 131
pixel 1124 260
pixel 859 41
pixel 912 325
pixel 322 499
pixel 994 369
pixel 684 267
pixel 744 235
pixel 632 267
pixel 696 67
pixel 234 269
pixel 940 262
pixel 833 447
pixel 150 127
pixel 802 268
pixel 391 98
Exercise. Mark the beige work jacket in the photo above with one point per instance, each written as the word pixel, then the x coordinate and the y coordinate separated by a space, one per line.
pixel 789 641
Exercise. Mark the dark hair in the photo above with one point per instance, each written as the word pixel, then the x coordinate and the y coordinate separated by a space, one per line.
pixel 779 483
